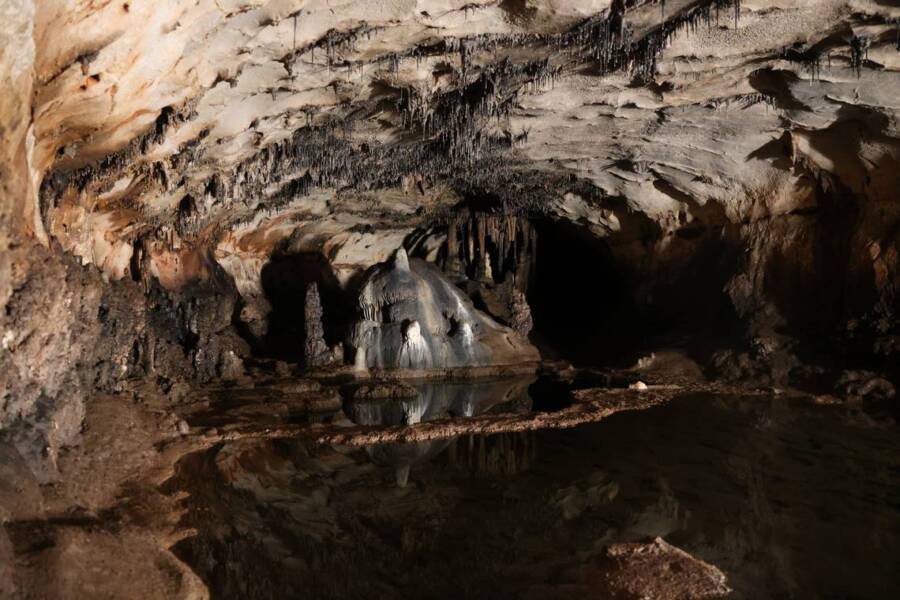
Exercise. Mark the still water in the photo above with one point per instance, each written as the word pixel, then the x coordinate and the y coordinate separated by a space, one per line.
pixel 789 499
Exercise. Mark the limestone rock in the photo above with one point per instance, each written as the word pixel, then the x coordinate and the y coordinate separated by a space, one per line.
pixel 315 351
pixel 520 313
pixel 410 316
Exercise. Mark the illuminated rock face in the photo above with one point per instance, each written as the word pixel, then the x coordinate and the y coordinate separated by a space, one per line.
pixel 412 317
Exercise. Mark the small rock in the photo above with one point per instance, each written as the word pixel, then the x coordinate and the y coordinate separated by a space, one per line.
pixel 283 369
pixel 231 367
pixel 645 362
pixel 384 390
pixel 178 391
pixel 183 427
pixel 638 385
pixel 299 386
pixel 865 385
pixel 826 399
pixel 655 570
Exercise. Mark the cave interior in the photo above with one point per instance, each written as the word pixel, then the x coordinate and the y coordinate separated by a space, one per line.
pixel 450 298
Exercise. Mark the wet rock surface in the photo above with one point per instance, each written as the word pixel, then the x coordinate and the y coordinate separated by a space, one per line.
pixel 551 514
pixel 452 482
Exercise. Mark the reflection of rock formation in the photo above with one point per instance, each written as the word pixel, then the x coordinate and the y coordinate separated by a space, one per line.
pixel 315 350
pixel 412 317
pixel 436 401
pixel 499 454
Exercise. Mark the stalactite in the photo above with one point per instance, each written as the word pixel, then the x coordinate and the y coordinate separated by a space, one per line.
pixel 489 244
pixel 452 124
pixel 859 53
pixel 814 66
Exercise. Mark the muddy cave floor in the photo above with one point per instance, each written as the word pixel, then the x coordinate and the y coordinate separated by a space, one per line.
pixel 514 485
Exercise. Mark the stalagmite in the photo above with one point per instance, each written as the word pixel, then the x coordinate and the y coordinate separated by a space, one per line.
pixel 410 316
pixel 520 312
pixel 315 351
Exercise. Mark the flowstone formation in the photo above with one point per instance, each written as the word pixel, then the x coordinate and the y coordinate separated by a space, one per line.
pixel 410 316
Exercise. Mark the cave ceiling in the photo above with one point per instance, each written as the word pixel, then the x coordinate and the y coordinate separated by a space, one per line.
pixel 198 132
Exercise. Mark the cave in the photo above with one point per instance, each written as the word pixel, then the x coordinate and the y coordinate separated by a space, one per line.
pixel 285 280
pixel 520 299
pixel 588 320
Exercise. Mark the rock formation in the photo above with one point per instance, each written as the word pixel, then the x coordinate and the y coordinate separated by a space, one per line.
pixel 411 317
pixel 520 313
pixel 315 351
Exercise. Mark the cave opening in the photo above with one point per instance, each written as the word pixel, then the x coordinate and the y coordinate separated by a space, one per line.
pixel 528 272
pixel 587 320
pixel 285 281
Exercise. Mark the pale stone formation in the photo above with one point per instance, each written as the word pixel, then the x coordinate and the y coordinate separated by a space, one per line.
pixel 410 316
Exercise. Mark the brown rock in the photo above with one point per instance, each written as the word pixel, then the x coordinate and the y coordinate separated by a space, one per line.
pixel 651 571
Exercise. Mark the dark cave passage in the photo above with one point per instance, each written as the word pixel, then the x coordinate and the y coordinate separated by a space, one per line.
pixel 285 279
pixel 580 301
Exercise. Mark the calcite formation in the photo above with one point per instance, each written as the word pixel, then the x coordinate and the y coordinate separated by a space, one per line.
pixel 410 316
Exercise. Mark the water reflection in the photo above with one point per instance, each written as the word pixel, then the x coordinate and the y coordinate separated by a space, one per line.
pixel 439 400
pixel 789 499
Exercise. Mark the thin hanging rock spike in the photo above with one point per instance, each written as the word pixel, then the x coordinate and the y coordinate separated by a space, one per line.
pixel 453 124
pixel 859 53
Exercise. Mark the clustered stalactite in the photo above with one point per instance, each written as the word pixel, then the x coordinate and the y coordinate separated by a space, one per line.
pixel 859 53
pixel 811 58
pixel 606 38
pixel 744 100
pixel 490 247
pixel 501 454
pixel 454 124
pixel 456 120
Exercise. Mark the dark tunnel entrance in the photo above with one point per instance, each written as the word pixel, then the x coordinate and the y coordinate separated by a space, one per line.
pixel 285 280
pixel 593 308
pixel 580 302
pixel 581 305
